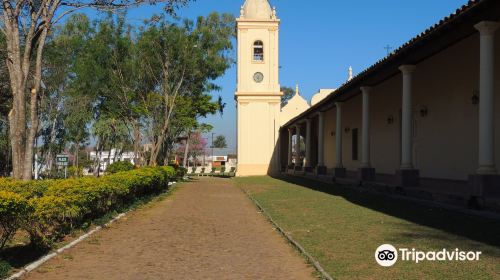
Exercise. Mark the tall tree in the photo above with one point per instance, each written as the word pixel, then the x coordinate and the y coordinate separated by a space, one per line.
pixel 111 134
pixel 220 142
pixel 64 111
pixel 106 73
pixel 5 103
pixel 26 25
pixel 288 93
pixel 180 63
pixel 196 146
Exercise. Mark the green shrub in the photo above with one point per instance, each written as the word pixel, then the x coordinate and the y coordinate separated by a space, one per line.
pixel 5 269
pixel 119 166
pixel 47 210
pixel 13 209
pixel 28 189
pixel 5 180
pixel 73 171
pixel 58 173
pixel 51 217
pixel 181 172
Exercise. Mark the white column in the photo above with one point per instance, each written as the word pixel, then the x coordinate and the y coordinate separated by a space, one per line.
pixel 290 146
pixel 297 145
pixel 307 162
pixel 406 129
pixel 365 157
pixel 338 135
pixel 321 139
pixel 486 103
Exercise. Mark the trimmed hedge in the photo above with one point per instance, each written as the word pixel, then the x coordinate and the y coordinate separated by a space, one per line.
pixel 119 166
pixel 179 170
pixel 12 209
pixel 5 269
pixel 47 210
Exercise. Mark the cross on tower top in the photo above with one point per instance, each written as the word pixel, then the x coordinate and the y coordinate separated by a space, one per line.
pixel 388 48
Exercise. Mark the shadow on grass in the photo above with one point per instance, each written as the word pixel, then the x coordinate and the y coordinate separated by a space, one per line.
pixel 477 228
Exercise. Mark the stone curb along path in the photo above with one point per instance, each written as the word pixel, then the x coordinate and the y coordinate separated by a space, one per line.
pixel 34 265
pixel 296 244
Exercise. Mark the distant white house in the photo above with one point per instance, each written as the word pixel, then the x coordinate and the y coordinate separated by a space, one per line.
pixel 109 157
pixel 226 161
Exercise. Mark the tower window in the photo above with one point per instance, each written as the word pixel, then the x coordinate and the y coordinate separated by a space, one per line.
pixel 258 51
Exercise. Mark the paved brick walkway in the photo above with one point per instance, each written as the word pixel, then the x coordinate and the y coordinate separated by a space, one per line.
pixel 207 229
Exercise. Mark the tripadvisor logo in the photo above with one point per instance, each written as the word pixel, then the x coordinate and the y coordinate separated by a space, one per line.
pixel 387 255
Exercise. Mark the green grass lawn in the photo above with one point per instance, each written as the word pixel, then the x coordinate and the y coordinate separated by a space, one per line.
pixel 342 228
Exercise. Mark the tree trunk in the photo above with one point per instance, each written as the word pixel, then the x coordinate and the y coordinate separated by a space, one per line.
pixel 50 155
pixel 8 163
pixel 109 157
pixel 37 80
pixel 137 143
pixel 97 161
pixel 115 154
pixel 30 141
pixel 37 19
pixel 169 99
pixel 17 78
pixel 15 135
pixel 186 150
pixel 17 116
pixel 76 163
pixel 155 150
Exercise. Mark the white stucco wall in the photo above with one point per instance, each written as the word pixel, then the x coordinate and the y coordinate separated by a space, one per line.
pixel 295 106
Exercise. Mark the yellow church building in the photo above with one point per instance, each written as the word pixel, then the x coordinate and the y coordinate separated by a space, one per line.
pixel 423 121
pixel 258 92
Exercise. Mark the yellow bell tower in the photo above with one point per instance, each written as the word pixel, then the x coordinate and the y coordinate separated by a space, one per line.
pixel 258 94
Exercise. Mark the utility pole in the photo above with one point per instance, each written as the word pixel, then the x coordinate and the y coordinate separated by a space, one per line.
pixel 185 162
pixel 36 166
pixel 205 153
pixel 213 149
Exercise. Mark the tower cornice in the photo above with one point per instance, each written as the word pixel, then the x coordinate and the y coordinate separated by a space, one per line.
pixel 257 20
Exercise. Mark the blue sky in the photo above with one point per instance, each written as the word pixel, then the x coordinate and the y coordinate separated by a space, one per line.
pixel 320 39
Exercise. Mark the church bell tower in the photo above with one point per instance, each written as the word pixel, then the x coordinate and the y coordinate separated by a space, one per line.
pixel 258 94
